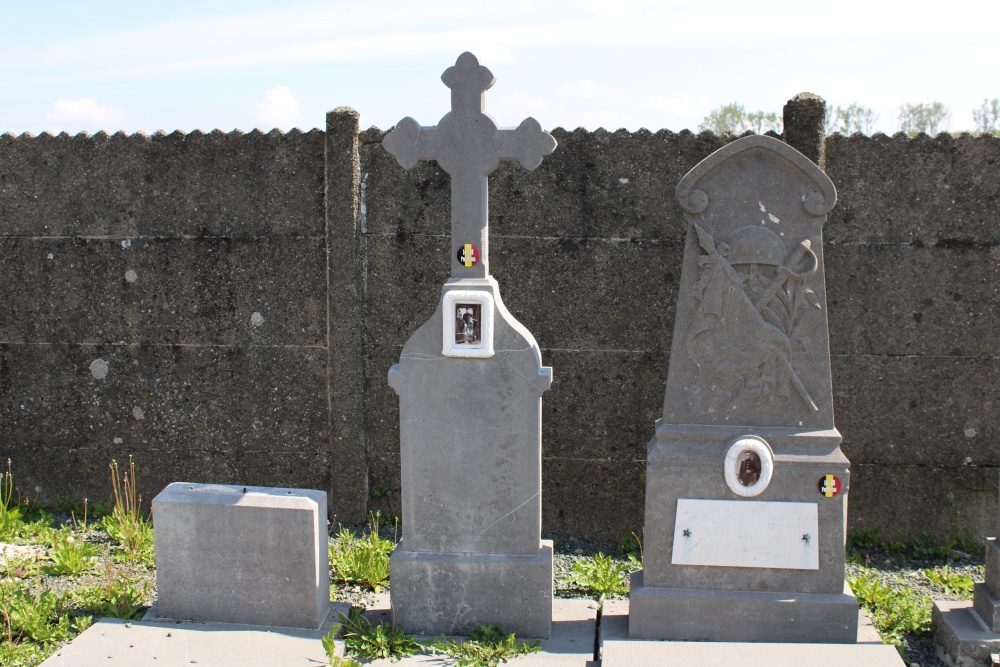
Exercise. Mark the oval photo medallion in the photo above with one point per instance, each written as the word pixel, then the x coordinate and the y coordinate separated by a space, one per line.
pixel 748 466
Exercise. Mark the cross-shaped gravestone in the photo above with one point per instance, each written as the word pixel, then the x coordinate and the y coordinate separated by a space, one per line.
pixel 469 145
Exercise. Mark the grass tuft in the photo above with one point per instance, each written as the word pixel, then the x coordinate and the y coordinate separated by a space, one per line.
pixel 487 646
pixel 125 524
pixel 373 642
pixel 361 560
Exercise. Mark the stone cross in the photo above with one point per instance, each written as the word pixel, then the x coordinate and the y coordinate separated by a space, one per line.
pixel 469 145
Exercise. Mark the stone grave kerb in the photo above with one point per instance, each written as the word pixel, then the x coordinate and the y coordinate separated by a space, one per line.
pixel 468 144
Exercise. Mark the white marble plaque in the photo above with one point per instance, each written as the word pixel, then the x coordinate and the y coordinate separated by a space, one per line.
pixel 746 533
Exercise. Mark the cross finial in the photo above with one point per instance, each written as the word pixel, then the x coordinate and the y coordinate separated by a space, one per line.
pixel 469 82
pixel 468 145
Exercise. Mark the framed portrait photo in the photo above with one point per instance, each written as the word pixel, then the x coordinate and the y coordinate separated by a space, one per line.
pixel 748 466
pixel 467 324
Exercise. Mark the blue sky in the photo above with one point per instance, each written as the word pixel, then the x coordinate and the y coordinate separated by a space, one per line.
pixel 593 63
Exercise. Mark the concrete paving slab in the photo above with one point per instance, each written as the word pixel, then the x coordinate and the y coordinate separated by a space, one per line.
pixel 113 642
pixel 618 650
pixel 154 643
pixel 571 643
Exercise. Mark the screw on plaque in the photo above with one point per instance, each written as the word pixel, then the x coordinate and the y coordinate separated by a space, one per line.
pixel 806 537
pixel 687 533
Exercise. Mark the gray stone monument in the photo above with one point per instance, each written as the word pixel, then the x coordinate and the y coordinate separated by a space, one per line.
pixel 470 382
pixel 746 485
pixel 969 633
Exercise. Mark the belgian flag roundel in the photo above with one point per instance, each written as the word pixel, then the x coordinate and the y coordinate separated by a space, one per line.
pixel 829 485
pixel 468 255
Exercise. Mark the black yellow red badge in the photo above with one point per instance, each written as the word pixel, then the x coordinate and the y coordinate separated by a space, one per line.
pixel 468 255
pixel 829 485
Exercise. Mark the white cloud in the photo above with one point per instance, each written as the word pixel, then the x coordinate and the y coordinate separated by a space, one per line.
pixel 84 112
pixel 279 109
pixel 589 90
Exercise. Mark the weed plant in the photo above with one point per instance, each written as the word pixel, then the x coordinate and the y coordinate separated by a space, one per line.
pixel 372 642
pixel 602 576
pixel 893 612
pixel 487 646
pixel 69 555
pixel 361 560
pixel 125 524
pixel 330 647
pixel 952 583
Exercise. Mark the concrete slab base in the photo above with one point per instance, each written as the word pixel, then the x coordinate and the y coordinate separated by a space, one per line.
pixel 113 642
pixel 962 639
pixel 727 616
pixel 571 643
pixel 618 650
pixel 453 594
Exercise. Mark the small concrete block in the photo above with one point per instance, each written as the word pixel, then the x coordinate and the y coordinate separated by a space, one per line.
pixel 987 606
pixel 962 640
pixel 453 594
pixel 234 554
pixel 707 615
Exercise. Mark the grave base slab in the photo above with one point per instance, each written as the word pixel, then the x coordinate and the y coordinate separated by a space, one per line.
pixel 740 616
pixel 453 594
pixel 962 640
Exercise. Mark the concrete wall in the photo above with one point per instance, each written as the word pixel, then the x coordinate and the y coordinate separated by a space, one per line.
pixel 342 253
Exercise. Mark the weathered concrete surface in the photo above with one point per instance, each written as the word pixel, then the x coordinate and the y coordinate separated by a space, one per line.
pixel 113 642
pixel 250 555
pixel 437 593
pixel 911 251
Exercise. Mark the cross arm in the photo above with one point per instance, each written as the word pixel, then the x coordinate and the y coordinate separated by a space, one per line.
pixel 528 143
pixel 409 142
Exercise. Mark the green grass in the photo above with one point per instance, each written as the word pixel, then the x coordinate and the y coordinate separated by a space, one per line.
pixel 602 576
pixel 361 560
pixel 125 524
pixel 894 612
pixel 487 646
pixel 372 642
pixel 951 582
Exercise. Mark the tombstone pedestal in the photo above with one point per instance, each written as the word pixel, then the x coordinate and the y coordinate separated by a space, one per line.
pixel 740 616
pixel 435 593
pixel 744 571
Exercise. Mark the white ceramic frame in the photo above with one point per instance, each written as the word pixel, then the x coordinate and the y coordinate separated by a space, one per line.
pixel 484 349
pixel 731 465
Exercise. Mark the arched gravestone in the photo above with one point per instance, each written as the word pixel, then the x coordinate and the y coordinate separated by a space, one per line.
pixel 470 382
pixel 746 485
